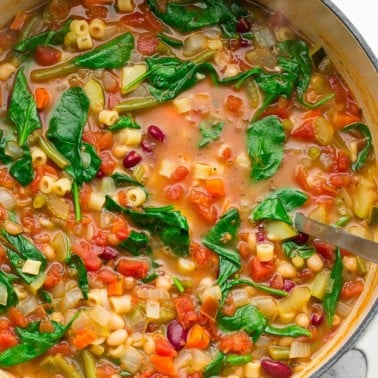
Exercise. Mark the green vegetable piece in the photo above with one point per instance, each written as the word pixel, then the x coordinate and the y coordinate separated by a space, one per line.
pixel 7 280
pixel 136 243
pixel 22 108
pixel 4 158
pixel 180 287
pixel 334 287
pixel 218 238
pixel 77 263
pixel 22 169
pixel 199 15
pixel 237 359
pixel 278 204
pixel 170 41
pixel 215 367
pixel 58 364
pixel 289 331
pixel 209 134
pixel 121 179
pixel 151 277
pixel 112 54
pixel 266 139
pixel 45 296
pixel 169 225
pixel 247 318
pixel 364 153
pixel 124 122
pixel 293 249
pixel 52 37
pixel 19 249
pixel 33 343
pixel 89 364
pixel 279 352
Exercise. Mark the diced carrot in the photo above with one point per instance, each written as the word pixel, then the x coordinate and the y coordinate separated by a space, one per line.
pixel 164 348
pixel 19 21
pixel 83 338
pixel 215 187
pixel 42 98
pixel 17 318
pixel 116 287
pixel 198 337
pixel 163 364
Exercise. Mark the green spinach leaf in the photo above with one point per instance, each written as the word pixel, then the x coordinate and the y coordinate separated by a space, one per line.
pixel 293 249
pixel 201 14
pixel 266 139
pixel 124 122
pixel 363 154
pixel 334 287
pixel 136 243
pixel 19 249
pixel 112 54
pixel 22 169
pixel 289 331
pixel 33 343
pixel 22 108
pixel 52 37
pixel 209 134
pixel 164 222
pixel 121 179
pixel 4 158
pixel 247 318
pixel 77 263
pixel 278 204
pixel 7 281
pixel 214 368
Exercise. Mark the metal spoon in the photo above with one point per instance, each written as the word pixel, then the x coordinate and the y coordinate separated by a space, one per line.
pixel 337 236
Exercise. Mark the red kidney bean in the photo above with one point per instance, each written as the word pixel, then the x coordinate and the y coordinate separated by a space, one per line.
pixel 131 159
pixel 243 26
pixel 156 133
pixel 100 173
pixel 260 233
pixel 275 368
pixel 176 334
pixel 147 146
pixel 244 42
pixel 317 315
pixel 109 253
pixel 301 238
pixel 288 285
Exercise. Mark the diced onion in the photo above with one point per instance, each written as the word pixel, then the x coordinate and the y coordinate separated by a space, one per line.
pixel 3 294
pixel 343 309
pixel 183 359
pixel 159 293
pixel 152 309
pixel 300 350
pixel 267 305
pixel 264 37
pixel 131 359
pixel 7 200
pixel 71 299
pixel 240 297
pixel 137 320
pixel 200 359
pixel 28 304
pixel 194 44
pixel 100 315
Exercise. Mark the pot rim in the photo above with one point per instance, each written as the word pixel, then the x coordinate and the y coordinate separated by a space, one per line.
pixel 351 341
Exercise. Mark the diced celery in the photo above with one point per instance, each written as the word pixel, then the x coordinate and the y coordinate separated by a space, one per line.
pixel 361 265
pixel 57 364
pixel 95 93
pixel 277 230
pixel 89 364
pixel 278 352
pixel 37 284
pixel 319 285
pixel 364 198
pixel 131 74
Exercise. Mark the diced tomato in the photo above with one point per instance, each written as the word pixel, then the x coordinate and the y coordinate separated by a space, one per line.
pixel 120 227
pixel 54 275
pixel 107 276
pixel 89 3
pixel 147 43
pixel 100 238
pixel 277 281
pixel 17 318
pixel 203 256
pixel 301 177
pixel 340 180
pixel 341 119
pixel 282 108
pixel 145 20
pixel 238 342
pixel 174 192
pixel 91 260
pixel 325 249
pixel 62 348
pixel 6 180
pixel 352 289
pixel 164 348
pixel 234 105
pixel 343 162
pixel 7 38
pixel 305 131
pixel 105 369
pixel 179 173
pixel 261 271
pixel 19 21
pixel 8 337
pixel 107 163
pixel 85 195
pixel 185 309
pixel 201 200
pixel 319 186
pixel 97 11
pixel 133 268
pixel 113 99
pixel 101 140
pixel 47 55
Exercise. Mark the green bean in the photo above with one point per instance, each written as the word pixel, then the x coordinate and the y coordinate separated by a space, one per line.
pixel 136 104
pixel 52 72
pixel 29 29
pixel 203 57
pixel 52 153
pixel 89 364
pixel 334 288
pixel 170 40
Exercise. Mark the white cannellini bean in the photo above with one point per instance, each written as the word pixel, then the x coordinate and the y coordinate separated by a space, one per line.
pixel 117 337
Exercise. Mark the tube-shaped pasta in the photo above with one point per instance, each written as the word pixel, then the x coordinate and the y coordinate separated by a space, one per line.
pixel 38 156
pixel 62 186
pixel 201 171
pixel 79 27
pixel 108 117
pixel 96 201
pixel 97 28
pixel 122 304
pixel 265 251
pixel 6 71
pixel 46 184
pixel 98 297
pixel 166 168
pixel 131 137
pixel 136 197
pixel 85 42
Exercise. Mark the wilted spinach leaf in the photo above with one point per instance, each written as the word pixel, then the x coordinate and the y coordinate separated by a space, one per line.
pixel 266 139
pixel 121 179
pixel 278 204
pixel 124 122
pixel 289 331
pixel 22 169
pixel 4 158
pixel 293 249
pixel 136 243
pixel 22 108
pixel 77 263
pixel 7 280
pixel 209 134
pixel 164 222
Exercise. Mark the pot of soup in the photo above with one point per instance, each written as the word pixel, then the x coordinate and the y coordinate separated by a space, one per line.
pixel 152 158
